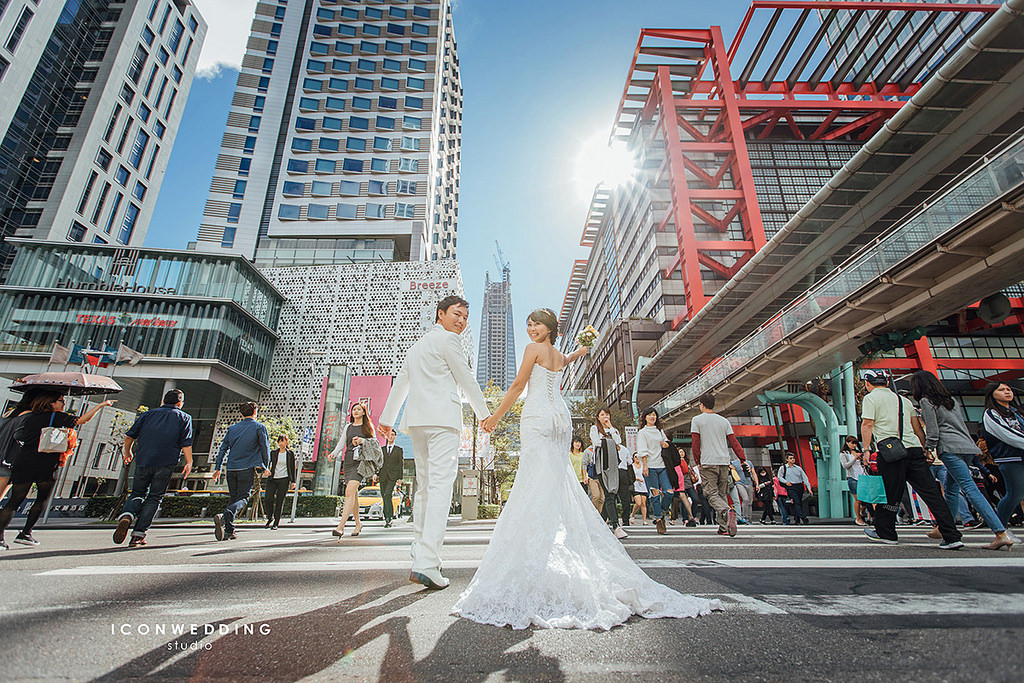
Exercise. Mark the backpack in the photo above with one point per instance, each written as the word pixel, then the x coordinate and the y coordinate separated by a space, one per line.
pixel 8 446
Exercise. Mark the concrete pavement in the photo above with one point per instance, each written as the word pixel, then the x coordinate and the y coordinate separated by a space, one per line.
pixel 801 603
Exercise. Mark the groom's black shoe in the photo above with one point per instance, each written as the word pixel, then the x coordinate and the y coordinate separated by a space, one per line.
pixel 429 578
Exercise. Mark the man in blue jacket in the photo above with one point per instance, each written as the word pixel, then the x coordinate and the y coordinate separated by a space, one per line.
pixel 249 446
pixel 160 436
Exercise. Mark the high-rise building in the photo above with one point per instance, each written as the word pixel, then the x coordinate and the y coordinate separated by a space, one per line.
pixel 496 361
pixel 93 93
pixel 343 139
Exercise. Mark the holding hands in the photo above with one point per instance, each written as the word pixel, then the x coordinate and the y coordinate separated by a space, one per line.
pixel 489 423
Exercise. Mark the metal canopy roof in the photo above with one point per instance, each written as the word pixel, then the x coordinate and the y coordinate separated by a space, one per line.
pixel 883 23
pixel 972 103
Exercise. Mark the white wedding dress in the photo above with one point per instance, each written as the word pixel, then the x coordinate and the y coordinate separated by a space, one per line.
pixel 552 561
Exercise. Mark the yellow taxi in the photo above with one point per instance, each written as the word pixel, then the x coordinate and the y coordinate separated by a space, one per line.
pixel 371 504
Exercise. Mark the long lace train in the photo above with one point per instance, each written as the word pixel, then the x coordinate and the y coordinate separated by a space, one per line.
pixel 552 561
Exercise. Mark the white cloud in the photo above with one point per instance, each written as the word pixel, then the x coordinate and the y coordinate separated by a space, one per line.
pixel 229 22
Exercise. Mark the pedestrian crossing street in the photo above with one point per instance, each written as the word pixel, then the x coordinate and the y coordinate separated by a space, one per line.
pixel 811 554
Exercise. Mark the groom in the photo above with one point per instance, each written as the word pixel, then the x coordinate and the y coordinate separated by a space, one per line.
pixel 431 376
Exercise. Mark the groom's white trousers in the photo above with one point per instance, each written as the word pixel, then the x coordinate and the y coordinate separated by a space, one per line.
pixel 436 452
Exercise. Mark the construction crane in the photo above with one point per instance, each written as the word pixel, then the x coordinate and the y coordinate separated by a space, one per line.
pixel 501 262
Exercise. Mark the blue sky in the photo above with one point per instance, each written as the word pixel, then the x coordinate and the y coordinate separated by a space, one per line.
pixel 542 80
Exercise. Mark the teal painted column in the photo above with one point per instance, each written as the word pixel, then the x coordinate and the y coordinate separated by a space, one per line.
pixel 826 427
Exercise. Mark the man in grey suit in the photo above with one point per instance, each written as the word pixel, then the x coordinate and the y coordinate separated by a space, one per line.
pixel 390 474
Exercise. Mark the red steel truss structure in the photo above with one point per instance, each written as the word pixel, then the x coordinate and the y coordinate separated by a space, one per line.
pixel 691 119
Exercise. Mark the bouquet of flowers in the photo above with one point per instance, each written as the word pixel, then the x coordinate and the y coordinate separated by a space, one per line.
pixel 587 337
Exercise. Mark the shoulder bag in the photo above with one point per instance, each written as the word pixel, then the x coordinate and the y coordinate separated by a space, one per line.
pixel 892 449
pixel 54 439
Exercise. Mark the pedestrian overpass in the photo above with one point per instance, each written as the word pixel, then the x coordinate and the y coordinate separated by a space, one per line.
pixel 901 266
pixel 965 244
pixel 974 101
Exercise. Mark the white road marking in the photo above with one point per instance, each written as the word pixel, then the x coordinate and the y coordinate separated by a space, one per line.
pixel 403 564
pixel 828 605
pixel 898 604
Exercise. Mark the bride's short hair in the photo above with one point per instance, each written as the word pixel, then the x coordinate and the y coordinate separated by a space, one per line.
pixel 547 318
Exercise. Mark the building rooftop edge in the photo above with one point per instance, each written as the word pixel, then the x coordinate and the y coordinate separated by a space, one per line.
pixel 28 242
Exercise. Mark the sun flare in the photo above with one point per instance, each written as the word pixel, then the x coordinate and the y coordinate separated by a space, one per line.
pixel 599 162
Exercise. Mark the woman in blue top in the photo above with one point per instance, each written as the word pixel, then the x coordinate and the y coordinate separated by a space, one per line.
pixel 1003 431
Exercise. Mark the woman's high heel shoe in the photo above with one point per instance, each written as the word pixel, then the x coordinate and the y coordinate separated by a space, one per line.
pixel 1000 544
pixel 355 532
pixel 339 532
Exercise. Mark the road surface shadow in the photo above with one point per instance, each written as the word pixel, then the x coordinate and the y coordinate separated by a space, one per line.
pixel 303 645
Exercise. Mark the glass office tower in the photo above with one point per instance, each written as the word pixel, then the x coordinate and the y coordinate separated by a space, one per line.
pixel 93 93
pixel 343 140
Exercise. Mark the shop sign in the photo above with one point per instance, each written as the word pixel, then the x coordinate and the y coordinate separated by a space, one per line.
pixel 113 287
pixel 124 320
pixel 443 286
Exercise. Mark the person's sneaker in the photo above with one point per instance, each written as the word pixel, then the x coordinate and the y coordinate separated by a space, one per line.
pixel 974 524
pixel 731 524
pixel 723 532
pixel 951 545
pixel 873 535
pixel 691 522
pixel 218 527
pixel 232 536
pixel 25 539
pixel 620 533
pixel 124 523
pixel 660 525
pixel 137 542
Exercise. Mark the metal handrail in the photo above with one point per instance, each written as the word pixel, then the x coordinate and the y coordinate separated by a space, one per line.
pixel 973 191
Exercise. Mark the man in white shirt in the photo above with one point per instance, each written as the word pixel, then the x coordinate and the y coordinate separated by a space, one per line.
pixel 712 440
pixel 880 411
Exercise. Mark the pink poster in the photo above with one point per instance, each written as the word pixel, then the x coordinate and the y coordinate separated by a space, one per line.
pixel 372 391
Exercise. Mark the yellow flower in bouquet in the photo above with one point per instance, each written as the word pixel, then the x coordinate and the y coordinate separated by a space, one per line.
pixel 587 337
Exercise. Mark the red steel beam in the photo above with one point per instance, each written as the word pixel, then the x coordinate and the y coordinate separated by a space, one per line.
pixel 681 200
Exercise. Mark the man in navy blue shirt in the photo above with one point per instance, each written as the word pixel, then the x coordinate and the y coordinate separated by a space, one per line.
pixel 160 437
pixel 249 446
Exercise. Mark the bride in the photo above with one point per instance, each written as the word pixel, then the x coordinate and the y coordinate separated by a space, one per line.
pixel 552 561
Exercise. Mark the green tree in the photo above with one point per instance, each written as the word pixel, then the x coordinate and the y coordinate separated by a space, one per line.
pixel 277 425
pixel 504 441
pixel 585 411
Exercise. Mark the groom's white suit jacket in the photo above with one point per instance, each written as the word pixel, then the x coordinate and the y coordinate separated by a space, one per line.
pixel 430 378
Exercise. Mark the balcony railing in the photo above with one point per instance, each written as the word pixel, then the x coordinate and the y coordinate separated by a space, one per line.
pixel 991 178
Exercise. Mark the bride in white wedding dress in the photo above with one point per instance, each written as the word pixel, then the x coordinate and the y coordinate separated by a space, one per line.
pixel 552 561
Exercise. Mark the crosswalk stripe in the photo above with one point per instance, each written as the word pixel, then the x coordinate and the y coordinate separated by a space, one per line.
pixel 403 564
pixel 881 604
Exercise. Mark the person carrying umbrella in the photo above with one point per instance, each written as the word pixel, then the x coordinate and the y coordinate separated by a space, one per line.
pixel 42 426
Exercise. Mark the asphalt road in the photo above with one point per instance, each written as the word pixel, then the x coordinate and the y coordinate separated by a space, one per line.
pixel 801 604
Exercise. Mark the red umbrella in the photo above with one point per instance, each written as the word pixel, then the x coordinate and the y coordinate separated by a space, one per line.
pixel 72 383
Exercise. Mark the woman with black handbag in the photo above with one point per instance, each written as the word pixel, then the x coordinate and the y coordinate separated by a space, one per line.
pixel 40 432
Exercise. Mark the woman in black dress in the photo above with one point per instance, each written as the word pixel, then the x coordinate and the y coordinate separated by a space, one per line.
pixel 32 467
pixel 359 427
